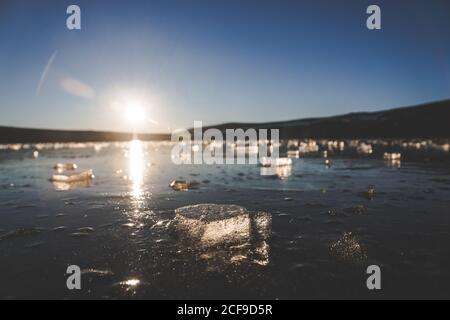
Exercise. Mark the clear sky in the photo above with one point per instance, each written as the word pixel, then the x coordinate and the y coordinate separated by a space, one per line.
pixel 216 61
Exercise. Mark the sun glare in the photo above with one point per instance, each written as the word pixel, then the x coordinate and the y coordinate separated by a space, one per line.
pixel 135 114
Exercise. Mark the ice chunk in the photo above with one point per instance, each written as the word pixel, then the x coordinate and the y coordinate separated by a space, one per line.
pixel 75 177
pixel 275 162
pixel 212 225
pixel 61 167
pixel 364 148
pixel 371 192
pixel 293 154
pixel 308 147
pixel 277 172
pixel 181 185
pixel 392 156
pixel 35 154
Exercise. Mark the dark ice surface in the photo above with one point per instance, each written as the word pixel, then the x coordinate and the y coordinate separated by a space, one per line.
pixel 327 228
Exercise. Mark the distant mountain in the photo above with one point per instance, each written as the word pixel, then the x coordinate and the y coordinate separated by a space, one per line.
pixel 19 135
pixel 431 120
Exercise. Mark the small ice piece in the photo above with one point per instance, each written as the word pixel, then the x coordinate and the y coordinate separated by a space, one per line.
pixel 279 172
pixel 213 225
pixel 325 154
pixel 293 154
pixel 365 148
pixel 371 192
pixel 61 167
pixel 76 177
pixel 275 162
pixel 35 154
pixel 328 163
pixel 392 156
pixel 182 185
pixel 308 147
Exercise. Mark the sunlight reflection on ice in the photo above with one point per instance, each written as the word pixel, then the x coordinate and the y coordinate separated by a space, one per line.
pixel 136 168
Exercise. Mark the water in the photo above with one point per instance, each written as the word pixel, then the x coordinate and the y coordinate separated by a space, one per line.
pixel 327 228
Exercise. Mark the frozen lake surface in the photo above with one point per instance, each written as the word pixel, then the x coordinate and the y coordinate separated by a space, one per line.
pixel 328 224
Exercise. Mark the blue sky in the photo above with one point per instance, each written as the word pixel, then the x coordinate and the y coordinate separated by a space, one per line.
pixel 216 61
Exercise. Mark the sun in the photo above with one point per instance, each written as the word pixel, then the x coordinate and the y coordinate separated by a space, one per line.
pixel 135 114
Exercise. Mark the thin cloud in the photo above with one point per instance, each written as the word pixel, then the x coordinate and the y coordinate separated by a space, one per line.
pixel 77 88
pixel 45 72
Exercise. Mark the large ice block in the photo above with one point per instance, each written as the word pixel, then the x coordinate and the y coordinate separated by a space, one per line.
pixel 213 225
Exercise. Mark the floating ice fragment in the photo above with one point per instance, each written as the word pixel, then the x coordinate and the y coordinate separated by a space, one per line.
pixel 364 148
pixel 277 172
pixel 308 147
pixel 61 167
pixel 35 154
pixel 76 177
pixel 293 154
pixel 183 185
pixel 224 235
pixel 275 162
pixel 371 192
pixel 392 156
pixel 211 225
